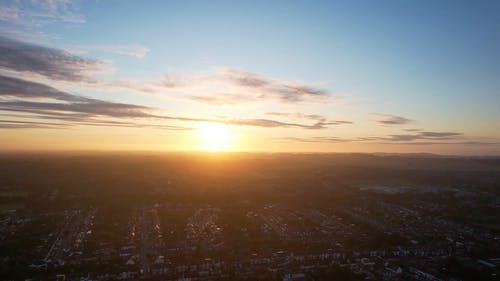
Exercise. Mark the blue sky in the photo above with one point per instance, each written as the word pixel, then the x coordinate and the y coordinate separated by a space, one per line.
pixel 435 63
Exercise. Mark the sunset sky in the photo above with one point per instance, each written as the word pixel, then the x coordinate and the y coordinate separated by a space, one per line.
pixel 294 76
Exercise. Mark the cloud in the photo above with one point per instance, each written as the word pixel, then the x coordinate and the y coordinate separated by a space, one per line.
pixel 319 139
pixel 224 86
pixel 15 124
pixel 40 12
pixel 337 122
pixel 9 13
pixel 136 50
pixel 389 119
pixel 480 143
pixel 321 121
pixel 388 140
pixel 91 107
pixel 40 101
pixel 45 102
pixel 23 19
pixel 230 86
pixel 12 124
pixel 273 124
pixel 222 99
pixel 402 137
pixel 418 138
pixel 298 115
pixel 439 135
pixel 15 87
pixel 55 64
pixel 425 136
pixel 271 87
pixel 40 63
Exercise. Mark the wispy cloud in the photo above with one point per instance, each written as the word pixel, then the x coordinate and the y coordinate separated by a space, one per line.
pixel 22 19
pixel 136 50
pixel 425 136
pixel 40 63
pixel 318 139
pixel 55 64
pixel 298 115
pixel 271 87
pixel 238 87
pixel 45 102
pixel 478 143
pixel 40 12
pixel 15 124
pixel 418 138
pixel 222 99
pixel 388 141
pixel 273 124
pixel 14 87
pixel 389 119
pixel 42 102
pixel 223 86
pixel 320 120
pixel 439 135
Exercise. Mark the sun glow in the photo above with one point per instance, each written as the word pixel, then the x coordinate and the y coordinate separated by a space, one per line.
pixel 215 137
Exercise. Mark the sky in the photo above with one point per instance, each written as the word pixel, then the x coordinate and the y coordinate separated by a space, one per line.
pixel 274 76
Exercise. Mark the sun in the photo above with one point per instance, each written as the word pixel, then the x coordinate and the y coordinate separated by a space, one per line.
pixel 215 137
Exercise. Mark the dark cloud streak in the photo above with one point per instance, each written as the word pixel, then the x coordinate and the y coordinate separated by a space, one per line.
pixel 15 87
pixel 49 62
pixel 418 138
pixel 389 119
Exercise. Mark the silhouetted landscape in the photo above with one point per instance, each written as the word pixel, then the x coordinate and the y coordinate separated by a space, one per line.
pixel 248 216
